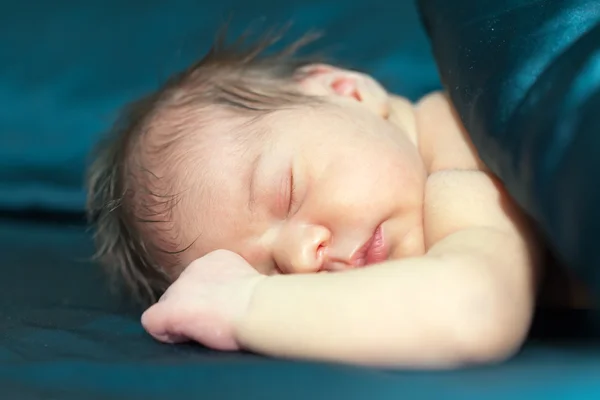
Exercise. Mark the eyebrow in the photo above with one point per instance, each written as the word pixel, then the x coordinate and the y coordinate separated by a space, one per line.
pixel 252 182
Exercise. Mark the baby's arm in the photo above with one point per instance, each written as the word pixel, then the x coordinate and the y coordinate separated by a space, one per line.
pixel 468 300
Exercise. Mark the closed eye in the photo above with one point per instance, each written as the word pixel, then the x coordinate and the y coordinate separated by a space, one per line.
pixel 292 190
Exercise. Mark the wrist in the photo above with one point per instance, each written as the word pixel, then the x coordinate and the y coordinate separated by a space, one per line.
pixel 241 319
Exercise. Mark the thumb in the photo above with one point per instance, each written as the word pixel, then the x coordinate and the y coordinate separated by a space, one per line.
pixel 156 321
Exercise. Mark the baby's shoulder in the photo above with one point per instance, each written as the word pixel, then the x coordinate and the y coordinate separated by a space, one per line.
pixel 443 140
pixel 463 199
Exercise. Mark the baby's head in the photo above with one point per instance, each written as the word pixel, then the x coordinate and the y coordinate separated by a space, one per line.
pixel 293 165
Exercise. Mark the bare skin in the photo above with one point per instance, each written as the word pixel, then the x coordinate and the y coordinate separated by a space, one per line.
pixel 457 280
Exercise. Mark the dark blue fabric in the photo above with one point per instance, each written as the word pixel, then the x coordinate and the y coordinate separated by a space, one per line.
pixel 525 78
pixel 62 337
pixel 66 66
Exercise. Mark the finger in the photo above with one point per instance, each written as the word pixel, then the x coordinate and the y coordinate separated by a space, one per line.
pixel 156 322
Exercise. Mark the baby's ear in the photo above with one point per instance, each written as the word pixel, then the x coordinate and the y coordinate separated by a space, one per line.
pixel 326 80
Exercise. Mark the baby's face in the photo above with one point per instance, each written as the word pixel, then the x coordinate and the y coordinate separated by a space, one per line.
pixel 309 194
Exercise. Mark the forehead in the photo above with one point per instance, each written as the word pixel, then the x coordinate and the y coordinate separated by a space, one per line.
pixel 213 175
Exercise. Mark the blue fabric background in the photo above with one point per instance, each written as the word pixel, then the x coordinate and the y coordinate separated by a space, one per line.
pixel 67 66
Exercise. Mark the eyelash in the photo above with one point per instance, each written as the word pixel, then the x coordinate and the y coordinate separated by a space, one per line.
pixel 292 193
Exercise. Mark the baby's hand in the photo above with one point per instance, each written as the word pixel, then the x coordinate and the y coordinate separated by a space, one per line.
pixel 205 303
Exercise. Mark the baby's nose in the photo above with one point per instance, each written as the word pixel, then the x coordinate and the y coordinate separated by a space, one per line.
pixel 310 260
pixel 304 250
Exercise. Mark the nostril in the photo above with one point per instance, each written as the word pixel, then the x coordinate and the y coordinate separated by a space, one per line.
pixel 321 250
pixel 321 257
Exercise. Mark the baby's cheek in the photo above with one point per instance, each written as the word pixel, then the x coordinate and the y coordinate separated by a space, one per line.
pixel 259 257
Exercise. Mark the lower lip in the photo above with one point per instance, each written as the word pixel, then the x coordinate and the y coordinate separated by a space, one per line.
pixel 377 250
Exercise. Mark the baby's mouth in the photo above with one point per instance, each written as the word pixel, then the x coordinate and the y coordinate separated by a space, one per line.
pixel 373 251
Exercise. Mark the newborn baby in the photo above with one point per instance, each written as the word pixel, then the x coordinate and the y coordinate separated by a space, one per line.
pixel 297 209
